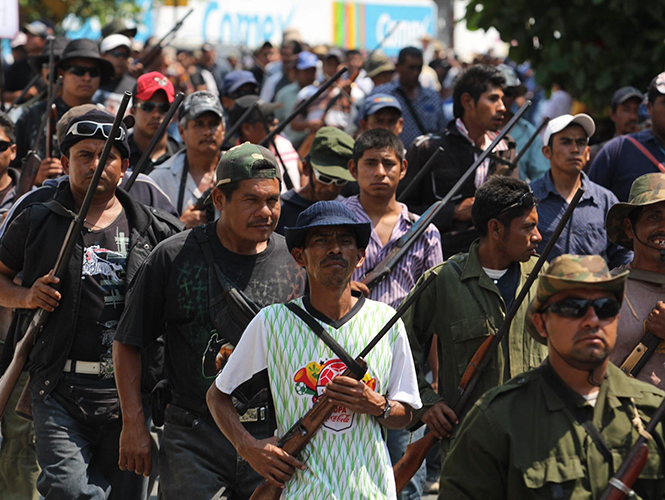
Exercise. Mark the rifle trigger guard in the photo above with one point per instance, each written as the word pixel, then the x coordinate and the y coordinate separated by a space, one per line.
pixel 298 427
pixel 618 484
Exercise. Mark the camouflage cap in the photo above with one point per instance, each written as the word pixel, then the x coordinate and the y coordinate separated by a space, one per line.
pixel 646 190
pixel 568 272
pixel 239 163
pixel 331 151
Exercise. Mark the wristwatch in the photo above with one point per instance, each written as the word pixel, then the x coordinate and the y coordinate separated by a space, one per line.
pixel 386 410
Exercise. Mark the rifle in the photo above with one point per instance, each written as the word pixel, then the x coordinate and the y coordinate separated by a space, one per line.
pixel 383 268
pixel 639 356
pixel 383 40
pixel 421 173
pixel 266 126
pixel 24 346
pixel 236 126
pixel 620 484
pixel 303 106
pixel 145 157
pixel 25 90
pixel 545 121
pixel 50 120
pixel 302 432
pixel 156 49
pixel 30 164
pixel 416 452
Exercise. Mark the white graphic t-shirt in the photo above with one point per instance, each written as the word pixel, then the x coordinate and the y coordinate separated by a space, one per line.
pixel 347 458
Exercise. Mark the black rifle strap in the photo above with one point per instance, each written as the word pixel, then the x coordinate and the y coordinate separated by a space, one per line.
pixel 327 339
pixel 409 105
pixel 584 418
pixel 183 183
pixel 492 156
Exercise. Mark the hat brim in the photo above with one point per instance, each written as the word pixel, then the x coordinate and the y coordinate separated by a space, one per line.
pixel 295 236
pixel 614 285
pixel 381 69
pixel 614 221
pixel 107 69
pixel 336 170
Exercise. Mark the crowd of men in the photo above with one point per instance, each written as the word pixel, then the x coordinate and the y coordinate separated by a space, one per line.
pixel 228 288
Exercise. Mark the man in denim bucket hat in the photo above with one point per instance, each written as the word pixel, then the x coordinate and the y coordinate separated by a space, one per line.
pixel 328 241
pixel 562 429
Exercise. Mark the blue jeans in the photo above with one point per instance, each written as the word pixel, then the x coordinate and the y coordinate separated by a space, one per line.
pixel 398 439
pixel 80 460
pixel 197 461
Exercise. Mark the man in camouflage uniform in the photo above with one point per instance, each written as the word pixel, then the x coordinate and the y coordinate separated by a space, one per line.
pixel 561 430
pixel 639 225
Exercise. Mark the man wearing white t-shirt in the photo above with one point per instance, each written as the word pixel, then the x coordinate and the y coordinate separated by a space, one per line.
pixel 347 458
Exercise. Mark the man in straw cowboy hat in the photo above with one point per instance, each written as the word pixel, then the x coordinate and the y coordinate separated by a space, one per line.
pixel 561 430
pixel 639 225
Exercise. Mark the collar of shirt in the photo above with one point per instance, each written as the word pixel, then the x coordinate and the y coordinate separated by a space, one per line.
pixel 544 187
pixel 400 228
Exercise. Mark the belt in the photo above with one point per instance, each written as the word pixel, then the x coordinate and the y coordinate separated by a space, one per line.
pixel 258 413
pixel 83 367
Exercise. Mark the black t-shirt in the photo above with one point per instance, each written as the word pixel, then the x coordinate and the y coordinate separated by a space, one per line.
pixel 102 290
pixel 170 296
pixel 292 205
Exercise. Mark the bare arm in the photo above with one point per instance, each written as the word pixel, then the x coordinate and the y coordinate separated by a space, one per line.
pixel 265 457
pixel 40 294
pixel 135 443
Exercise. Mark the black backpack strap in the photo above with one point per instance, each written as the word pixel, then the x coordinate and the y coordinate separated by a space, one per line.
pixel 409 105
pixel 320 332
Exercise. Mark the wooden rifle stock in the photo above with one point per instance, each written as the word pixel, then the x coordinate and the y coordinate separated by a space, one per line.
pixel 24 346
pixel 384 268
pixel 482 356
pixel 302 432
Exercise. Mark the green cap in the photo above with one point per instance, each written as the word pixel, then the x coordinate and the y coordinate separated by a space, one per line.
pixel 331 151
pixel 568 272
pixel 239 164
pixel 646 190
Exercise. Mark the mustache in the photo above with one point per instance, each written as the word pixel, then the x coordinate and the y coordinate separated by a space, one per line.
pixel 333 259
pixel 259 222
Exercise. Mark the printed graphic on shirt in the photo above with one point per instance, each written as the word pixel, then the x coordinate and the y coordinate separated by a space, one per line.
pixel 311 380
pixel 216 355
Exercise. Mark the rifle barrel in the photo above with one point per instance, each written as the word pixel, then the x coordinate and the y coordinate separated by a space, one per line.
pixel 30 84
pixel 145 157
pixel 304 105
pixel 236 126
pixel 528 144
pixel 421 173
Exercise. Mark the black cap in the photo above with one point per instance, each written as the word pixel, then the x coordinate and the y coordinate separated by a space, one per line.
pixel 243 103
pixel 625 93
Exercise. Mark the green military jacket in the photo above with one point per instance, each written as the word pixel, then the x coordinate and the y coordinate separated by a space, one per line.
pixel 519 441
pixel 448 310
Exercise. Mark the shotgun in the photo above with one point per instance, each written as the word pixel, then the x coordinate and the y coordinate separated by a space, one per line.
pixel 416 452
pixel 24 346
pixel 384 268
pixel 302 432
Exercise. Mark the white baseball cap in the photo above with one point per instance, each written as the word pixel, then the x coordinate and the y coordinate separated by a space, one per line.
pixel 113 42
pixel 559 123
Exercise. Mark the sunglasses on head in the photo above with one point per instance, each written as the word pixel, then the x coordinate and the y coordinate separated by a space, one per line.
pixel 149 107
pixel 604 308
pixel 527 200
pixel 89 129
pixel 326 179
pixel 5 145
pixel 78 70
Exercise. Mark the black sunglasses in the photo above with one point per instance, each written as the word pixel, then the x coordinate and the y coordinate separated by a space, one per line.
pixel 527 200
pixel 576 308
pixel 122 54
pixel 149 107
pixel 78 70
pixel 5 145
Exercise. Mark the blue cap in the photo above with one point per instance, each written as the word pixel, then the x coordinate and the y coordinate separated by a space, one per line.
pixel 236 79
pixel 326 213
pixel 377 102
pixel 306 60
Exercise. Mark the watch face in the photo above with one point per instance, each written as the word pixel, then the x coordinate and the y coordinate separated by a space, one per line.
pixel 386 410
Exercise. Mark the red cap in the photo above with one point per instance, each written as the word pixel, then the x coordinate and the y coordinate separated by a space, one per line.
pixel 148 84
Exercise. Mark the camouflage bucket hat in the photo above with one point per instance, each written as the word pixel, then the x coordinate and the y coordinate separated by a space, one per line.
pixel 646 190
pixel 568 272
pixel 239 163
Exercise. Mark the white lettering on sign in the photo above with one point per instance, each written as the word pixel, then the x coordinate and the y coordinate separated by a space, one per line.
pixel 407 33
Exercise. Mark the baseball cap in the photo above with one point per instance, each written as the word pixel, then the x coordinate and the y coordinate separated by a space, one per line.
pixel 148 84
pixel 568 272
pixel 36 28
pixel 331 151
pixel 377 102
pixel 95 116
pixel 19 40
pixel 326 213
pixel 236 79
pixel 336 53
pixel 200 102
pixel 625 93
pixel 114 41
pixel 243 103
pixel 559 123
pixel 306 60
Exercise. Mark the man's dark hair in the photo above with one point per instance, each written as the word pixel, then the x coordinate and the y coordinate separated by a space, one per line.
pixel 498 193
pixel 352 52
pixel 409 52
pixel 474 81
pixel 8 126
pixel 377 138
pixel 653 92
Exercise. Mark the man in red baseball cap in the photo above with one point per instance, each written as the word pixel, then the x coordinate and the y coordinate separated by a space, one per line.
pixel 153 95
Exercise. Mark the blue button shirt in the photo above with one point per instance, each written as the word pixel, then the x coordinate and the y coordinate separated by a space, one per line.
pixel 585 232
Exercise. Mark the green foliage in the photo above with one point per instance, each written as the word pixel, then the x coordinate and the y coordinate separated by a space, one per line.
pixel 590 47
pixel 56 10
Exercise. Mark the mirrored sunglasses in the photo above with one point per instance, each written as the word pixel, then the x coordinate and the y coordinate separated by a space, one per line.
pixel 326 179
pixel 89 129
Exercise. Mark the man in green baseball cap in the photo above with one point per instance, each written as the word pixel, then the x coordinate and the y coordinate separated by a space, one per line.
pixel 326 165
pixel 558 430
pixel 200 291
pixel 639 225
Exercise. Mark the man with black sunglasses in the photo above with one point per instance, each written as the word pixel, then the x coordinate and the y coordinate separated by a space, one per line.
pixel 561 430
pixel 83 70
pixel 116 50
pixel 153 95
pixel 8 176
